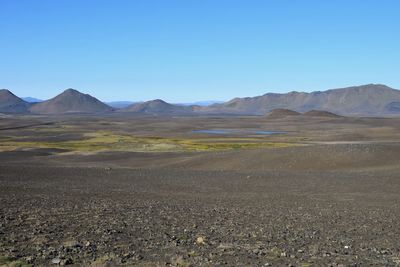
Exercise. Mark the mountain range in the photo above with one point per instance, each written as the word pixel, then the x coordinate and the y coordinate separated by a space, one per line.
pixel 364 100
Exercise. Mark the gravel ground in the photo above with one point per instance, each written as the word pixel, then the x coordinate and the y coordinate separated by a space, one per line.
pixel 163 217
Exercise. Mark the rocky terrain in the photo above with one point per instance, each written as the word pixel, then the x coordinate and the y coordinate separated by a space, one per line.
pixel 100 216
pixel 328 199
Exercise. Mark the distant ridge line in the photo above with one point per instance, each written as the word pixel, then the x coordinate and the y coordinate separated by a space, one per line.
pixel 363 100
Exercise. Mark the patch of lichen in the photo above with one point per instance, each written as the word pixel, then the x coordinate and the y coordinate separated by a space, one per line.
pixel 110 141
pixel 200 146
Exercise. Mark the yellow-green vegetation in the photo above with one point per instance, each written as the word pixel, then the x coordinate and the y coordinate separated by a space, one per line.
pixel 110 141
pixel 179 261
pixel 6 261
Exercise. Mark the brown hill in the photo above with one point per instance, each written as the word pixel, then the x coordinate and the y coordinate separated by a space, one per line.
pixel 10 103
pixel 320 113
pixel 371 99
pixel 70 101
pixel 279 113
pixel 158 107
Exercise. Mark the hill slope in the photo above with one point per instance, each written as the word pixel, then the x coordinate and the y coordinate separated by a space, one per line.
pixel 320 113
pixel 10 103
pixel 371 99
pixel 281 113
pixel 70 101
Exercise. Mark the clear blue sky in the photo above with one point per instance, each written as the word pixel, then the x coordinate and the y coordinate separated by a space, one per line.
pixel 190 50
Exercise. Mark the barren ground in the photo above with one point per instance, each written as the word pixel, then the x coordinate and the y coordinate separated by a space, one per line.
pixel 85 191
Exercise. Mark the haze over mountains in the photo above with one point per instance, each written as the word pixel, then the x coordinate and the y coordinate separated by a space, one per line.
pixel 31 99
pixel 124 104
pixel 120 104
pixel 365 100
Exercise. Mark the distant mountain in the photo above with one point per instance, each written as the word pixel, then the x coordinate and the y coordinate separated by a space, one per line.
pixel 120 104
pixel 124 104
pixel 70 101
pixel 364 100
pixel 158 107
pixel 201 103
pixel 371 99
pixel 31 99
pixel 10 103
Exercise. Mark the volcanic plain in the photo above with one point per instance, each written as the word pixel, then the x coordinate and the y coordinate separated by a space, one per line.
pixel 127 190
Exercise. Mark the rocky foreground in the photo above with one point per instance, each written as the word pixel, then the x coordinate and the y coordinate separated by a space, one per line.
pixel 153 217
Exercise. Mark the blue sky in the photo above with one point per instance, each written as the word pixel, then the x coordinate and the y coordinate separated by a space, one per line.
pixel 190 50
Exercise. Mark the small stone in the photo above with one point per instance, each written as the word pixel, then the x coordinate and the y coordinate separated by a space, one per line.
pixel 200 240
pixel 55 261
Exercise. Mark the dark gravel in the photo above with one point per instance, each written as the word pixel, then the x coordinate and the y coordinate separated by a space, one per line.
pixel 106 216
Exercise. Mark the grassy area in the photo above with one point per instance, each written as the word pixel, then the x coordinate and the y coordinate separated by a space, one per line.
pixel 6 261
pixel 110 141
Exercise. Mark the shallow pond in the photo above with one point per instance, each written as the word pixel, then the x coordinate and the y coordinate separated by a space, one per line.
pixel 235 131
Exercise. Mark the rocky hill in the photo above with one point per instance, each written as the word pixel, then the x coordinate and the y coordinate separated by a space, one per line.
pixel 158 107
pixel 70 101
pixel 10 103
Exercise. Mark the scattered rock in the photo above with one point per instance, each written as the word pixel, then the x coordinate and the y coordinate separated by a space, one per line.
pixel 200 241
pixel 56 261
